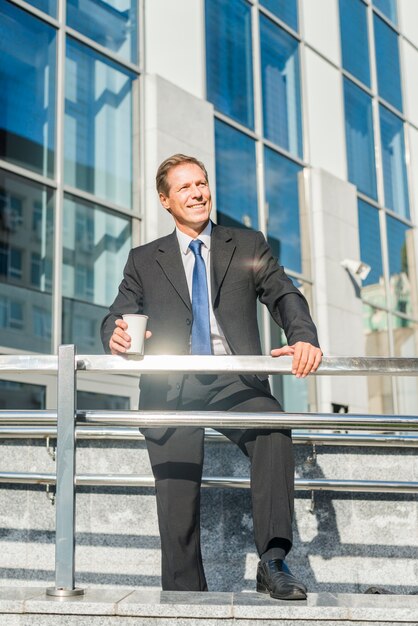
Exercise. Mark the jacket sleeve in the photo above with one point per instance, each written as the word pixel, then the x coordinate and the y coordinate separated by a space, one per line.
pixel 128 300
pixel 287 306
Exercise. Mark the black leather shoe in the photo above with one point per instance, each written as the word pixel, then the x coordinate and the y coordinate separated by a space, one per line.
pixel 275 578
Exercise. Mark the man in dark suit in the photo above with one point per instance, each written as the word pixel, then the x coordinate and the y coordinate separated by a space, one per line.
pixel 200 286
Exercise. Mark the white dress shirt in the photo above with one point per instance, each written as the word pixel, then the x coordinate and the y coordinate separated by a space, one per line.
pixel 219 344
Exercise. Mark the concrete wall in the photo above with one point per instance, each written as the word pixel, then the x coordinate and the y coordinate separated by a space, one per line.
pixel 349 542
pixel 175 121
pixel 330 208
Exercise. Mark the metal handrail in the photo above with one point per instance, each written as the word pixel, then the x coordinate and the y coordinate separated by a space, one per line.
pixel 131 433
pixel 236 364
pixel 70 424
pixel 231 482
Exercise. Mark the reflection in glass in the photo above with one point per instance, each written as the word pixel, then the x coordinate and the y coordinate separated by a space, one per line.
pixel 236 184
pixel 373 287
pixel 405 334
pixel 110 23
pixel 229 59
pixel 393 161
pixel 403 290
pixel 96 246
pixel 81 325
pixel 291 392
pixel 21 396
pixel 286 10
pixel 47 6
pixel 27 90
pixel 388 8
pixel 387 62
pixel 281 89
pixel 359 139
pixel 89 401
pixel 355 39
pixel 98 125
pixel 26 253
pixel 282 198
pixel 377 344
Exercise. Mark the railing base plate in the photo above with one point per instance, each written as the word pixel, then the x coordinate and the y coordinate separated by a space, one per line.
pixel 59 592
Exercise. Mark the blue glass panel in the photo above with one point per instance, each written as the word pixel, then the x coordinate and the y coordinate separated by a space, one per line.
pixel 359 138
pixel 229 66
pixel 90 401
pixel 286 10
pixel 18 396
pixel 401 259
pixel 98 125
pixel 388 8
pixel 47 6
pixel 387 61
pixel 27 90
pixel 354 39
pixel 111 23
pixel 26 264
pixel 96 246
pixel 281 181
pixel 281 87
pixel 393 158
pixel 236 184
pixel 370 249
pixel 81 325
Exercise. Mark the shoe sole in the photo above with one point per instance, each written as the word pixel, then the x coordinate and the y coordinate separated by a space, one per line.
pixel 295 595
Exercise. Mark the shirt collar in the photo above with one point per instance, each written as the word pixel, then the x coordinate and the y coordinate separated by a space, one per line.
pixel 184 240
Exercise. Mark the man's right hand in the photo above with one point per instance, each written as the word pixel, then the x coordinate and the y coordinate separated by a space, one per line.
pixel 120 341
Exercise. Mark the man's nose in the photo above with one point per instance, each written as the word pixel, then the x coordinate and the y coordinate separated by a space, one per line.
pixel 196 191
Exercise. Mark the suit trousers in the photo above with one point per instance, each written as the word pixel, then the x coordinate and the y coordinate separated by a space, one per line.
pixel 176 456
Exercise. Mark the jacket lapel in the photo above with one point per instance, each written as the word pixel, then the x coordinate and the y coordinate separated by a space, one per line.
pixel 222 250
pixel 169 259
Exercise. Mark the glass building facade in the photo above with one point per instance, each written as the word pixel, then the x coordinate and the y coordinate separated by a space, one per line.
pixel 72 136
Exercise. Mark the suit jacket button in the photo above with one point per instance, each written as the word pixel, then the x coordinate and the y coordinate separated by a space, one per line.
pixel 188 321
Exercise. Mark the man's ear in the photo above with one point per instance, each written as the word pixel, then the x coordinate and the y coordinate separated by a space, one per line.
pixel 164 201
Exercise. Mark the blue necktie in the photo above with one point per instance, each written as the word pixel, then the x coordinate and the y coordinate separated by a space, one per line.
pixel 200 303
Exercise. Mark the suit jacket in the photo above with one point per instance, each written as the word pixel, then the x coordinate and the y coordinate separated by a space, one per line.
pixel 242 271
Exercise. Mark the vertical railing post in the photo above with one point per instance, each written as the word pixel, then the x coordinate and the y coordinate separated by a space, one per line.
pixel 65 486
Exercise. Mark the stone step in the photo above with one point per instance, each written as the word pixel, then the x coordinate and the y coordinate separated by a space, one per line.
pixel 23 606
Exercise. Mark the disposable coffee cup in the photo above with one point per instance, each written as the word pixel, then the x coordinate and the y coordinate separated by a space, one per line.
pixel 137 325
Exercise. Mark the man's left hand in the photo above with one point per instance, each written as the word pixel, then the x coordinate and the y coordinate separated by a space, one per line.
pixel 306 357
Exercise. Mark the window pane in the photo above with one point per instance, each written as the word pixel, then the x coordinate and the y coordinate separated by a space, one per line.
pixel 236 184
pixel 377 344
pixel 111 23
pixel 388 8
pixel 285 10
pixel 229 59
pixel 98 125
pixel 354 39
pixel 26 253
pixel 81 325
pixel 405 334
pixel 373 288
pixel 387 61
pixel 47 6
pixel 359 138
pixel 27 90
pixel 15 396
pixel 401 260
pixel 89 401
pixel 96 246
pixel 281 87
pixel 393 160
pixel 282 198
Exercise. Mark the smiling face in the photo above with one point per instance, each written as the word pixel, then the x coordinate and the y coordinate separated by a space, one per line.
pixel 188 200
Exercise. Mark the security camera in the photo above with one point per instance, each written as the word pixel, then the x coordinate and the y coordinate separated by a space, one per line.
pixel 358 269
